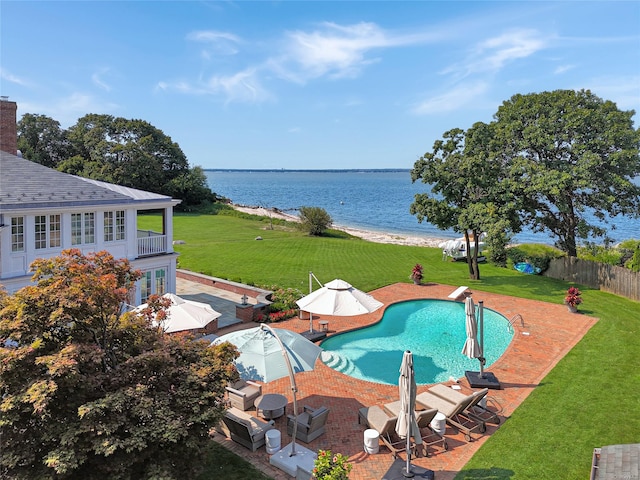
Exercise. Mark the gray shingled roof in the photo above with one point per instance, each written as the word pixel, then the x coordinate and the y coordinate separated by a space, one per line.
pixel 26 184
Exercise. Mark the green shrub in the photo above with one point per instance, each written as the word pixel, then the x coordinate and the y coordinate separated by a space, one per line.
pixel 314 220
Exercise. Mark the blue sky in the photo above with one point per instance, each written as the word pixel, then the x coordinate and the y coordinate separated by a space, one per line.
pixel 307 84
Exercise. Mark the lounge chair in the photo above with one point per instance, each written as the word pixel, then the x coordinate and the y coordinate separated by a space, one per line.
pixel 385 424
pixel 311 423
pixel 453 410
pixel 244 428
pixel 243 393
pixel 428 434
pixel 475 408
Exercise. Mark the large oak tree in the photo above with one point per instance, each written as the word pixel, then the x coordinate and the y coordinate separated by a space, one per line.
pixel 573 156
pixel 87 392
pixel 468 190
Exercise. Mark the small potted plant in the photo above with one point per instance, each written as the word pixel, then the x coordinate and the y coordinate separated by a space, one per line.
pixel 573 299
pixel 329 466
pixel 416 274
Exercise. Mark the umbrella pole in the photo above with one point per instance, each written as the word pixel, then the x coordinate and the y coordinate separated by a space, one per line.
pixel 294 388
pixel 407 472
pixel 481 318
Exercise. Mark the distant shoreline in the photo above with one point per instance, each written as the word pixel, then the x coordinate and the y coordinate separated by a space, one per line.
pixel 327 170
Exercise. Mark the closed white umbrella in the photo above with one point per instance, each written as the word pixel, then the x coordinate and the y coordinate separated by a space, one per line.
pixel 471 346
pixel 184 314
pixel 338 298
pixel 407 424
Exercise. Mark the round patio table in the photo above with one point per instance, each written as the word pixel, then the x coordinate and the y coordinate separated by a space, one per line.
pixel 270 405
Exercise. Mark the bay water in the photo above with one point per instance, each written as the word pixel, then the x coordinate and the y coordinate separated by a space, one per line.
pixel 374 200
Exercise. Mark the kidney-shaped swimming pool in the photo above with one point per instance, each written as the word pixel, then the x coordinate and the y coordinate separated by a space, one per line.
pixel 434 330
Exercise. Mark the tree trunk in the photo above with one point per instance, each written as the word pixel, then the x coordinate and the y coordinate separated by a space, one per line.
pixel 472 260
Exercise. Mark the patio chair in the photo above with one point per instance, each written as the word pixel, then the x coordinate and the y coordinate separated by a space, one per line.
pixel 311 423
pixel 244 428
pixel 453 410
pixel 243 393
pixel 385 424
pixel 428 434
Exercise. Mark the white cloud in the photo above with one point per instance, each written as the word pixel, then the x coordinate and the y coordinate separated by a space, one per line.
pixel 493 54
pixel 67 110
pixel 294 130
pixel 242 87
pixel 453 99
pixel 337 51
pixel 9 77
pixel 97 79
pixel 560 69
pixel 215 43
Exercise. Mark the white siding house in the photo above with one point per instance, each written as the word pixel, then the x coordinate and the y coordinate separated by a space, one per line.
pixel 44 211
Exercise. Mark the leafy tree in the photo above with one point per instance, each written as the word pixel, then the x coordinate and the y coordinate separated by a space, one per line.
pixel 469 190
pixel 90 393
pixel 571 153
pixel 41 140
pixel 127 152
pixel 314 220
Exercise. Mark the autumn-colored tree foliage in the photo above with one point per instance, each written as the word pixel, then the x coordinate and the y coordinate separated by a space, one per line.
pixel 87 392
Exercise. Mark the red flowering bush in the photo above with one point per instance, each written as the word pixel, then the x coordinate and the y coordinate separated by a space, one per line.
pixel 416 273
pixel 573 297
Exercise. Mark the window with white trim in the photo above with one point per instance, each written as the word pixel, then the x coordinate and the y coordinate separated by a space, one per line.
pixel 114 226
pixel 17 234
pixel 48 230
pixel 145 286
pixel 161 281
pixel 120 230
pixel 83 228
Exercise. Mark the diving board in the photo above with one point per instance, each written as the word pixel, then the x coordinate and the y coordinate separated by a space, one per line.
pixel 457 293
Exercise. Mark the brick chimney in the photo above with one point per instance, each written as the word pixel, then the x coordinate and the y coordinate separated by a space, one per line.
pixel 8 126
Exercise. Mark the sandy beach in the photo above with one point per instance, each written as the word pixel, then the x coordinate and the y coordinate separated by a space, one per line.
pixel 378 237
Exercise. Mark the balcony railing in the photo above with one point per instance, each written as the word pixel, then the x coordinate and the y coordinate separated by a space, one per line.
pixel 151 243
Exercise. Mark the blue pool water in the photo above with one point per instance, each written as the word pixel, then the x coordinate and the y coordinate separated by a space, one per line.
pixel 434 330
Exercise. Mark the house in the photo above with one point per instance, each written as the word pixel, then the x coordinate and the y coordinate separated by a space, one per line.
pixel 44 211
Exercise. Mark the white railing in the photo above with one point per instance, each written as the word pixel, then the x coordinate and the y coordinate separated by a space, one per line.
pixel 152 245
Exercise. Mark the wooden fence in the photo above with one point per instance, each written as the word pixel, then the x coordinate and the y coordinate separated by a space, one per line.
pixel 608 278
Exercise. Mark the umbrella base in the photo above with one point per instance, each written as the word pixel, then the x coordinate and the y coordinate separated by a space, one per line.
pixel 304 458
pixel 488 380
pixel 314 336
pixel 398 468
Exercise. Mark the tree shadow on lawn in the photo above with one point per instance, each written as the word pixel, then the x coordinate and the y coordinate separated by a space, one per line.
pixel 536 284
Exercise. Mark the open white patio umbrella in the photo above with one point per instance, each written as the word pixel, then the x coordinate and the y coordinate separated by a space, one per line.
pixel 268 354
pixel 338 298
pixel 184 314
pixel 407 424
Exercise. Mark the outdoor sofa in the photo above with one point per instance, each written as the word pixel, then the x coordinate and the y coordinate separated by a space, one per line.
pixel 244 428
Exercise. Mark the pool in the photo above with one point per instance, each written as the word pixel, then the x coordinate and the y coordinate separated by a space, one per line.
pixel 434 330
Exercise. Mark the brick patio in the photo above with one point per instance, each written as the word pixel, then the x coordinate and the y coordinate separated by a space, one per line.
pixel 549 332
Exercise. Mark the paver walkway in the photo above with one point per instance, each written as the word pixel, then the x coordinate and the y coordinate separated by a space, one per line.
pixel 549 332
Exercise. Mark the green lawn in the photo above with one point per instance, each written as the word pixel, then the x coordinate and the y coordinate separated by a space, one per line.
pixel 591 398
